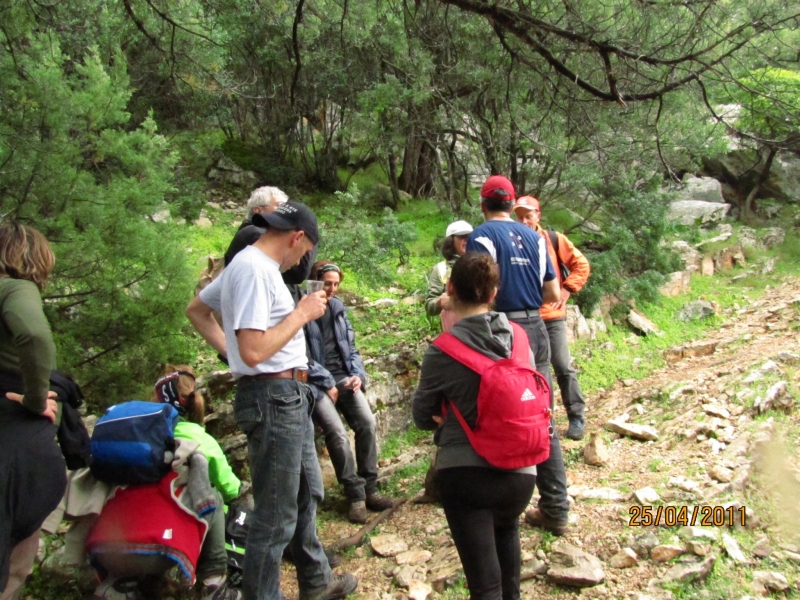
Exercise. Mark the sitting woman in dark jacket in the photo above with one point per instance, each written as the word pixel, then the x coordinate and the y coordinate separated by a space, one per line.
pixel 482 503
pixel 331 342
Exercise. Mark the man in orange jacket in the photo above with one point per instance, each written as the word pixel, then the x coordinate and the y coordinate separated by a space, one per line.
pixel 554 315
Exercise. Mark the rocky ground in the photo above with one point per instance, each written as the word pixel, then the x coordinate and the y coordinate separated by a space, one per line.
pixel 720 429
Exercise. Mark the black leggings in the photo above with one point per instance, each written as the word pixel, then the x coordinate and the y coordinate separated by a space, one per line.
pixel 483 506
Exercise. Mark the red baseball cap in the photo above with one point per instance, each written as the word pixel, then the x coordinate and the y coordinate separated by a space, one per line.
pixel 498 188
pixel 525 203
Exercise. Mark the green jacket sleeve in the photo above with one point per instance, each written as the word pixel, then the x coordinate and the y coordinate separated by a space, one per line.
pixel 219 471
pixel 24 318
pixel 435 289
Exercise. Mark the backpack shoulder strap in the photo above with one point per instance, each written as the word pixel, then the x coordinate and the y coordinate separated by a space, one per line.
pixel 458 350
pixel 554 240
pixel 521 349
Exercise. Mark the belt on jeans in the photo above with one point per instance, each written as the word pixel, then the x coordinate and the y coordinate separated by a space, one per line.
pixel 297 374
pixel 522 314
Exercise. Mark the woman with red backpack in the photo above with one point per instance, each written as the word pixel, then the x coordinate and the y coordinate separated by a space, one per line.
pixel 482 502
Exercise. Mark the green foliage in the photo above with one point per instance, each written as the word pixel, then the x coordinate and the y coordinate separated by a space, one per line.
pixel 350 238
pixel 634 263
pixel 75 167
pixel 770 99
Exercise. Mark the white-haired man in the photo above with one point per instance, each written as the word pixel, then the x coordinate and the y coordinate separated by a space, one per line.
pixel 263 201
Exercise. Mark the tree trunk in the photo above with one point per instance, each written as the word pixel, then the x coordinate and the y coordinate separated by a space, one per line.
pixel 748 207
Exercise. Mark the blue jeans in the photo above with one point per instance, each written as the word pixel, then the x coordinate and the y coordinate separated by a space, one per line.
pixel 551 475
pixel 287 485
pixel 571 396
pixel 355 409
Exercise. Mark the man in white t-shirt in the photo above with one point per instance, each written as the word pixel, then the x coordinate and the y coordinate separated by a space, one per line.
pixel 265 347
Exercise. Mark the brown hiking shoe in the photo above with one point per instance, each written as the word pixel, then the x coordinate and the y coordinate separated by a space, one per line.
pixel 339 587
pixel 358 512
pixel 535 518
pixel 377 502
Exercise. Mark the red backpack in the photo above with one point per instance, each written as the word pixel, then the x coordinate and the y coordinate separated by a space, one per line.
pixel 513 427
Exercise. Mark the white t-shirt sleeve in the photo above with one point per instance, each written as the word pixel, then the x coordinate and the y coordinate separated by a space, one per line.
pixel 211 295
pixel 253 296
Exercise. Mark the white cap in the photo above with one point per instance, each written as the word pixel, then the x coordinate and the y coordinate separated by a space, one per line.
pixel 458 228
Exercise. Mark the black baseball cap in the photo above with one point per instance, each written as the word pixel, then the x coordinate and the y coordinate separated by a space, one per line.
pixel 294 216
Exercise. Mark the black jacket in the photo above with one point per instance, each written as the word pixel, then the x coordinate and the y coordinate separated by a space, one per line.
pixel 345 340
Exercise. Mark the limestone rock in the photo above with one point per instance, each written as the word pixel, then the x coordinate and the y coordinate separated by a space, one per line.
pixel 704 189
pixel 774 236
pixel 595 452
pixel 623 559
pixel 572 566
pixel 690 532
pixel 665 552
pixel 413 557
pixel 748 237
pixel 691 212
pixel 642 324
pixel 732 548
pixel 689 255
pixel 686 573
pixel 699 548
pixel 707 266
pixel 715 410
pixel 721 473
pixel 696 310
pixel 408 574
pixel 770 581
pixel 677 283
pixel 768 368
pixel 387 545
pixel 643 544
pixel 762 548
pixel 639 432
pixel 646 496
pixel 582 492
pixel 419 590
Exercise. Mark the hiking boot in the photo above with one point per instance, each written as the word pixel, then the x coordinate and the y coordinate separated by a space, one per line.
pixel 340 586
pixel 358 512
pixel 113 588
pixel 535 518
pixel 377 502
pixel 222 591
pixel 575 431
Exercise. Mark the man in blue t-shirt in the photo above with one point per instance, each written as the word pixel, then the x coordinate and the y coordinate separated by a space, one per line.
pixel 527 279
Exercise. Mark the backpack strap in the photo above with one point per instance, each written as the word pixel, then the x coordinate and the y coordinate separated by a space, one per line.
pixel 554 240
pixel 520 349
pixel 458 350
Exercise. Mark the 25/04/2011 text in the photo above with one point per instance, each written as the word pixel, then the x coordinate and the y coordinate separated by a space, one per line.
pixel 705 516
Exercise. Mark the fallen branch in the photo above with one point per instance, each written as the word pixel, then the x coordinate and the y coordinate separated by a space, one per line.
pixel 358 538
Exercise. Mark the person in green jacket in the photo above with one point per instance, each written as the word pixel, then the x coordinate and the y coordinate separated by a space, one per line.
pixel 33 475
pixel 177 387
pixel 437 302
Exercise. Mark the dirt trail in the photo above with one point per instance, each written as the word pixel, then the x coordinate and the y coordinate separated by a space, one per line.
pixel 748 338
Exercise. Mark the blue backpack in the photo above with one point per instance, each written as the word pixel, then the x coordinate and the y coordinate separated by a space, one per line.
pixel 134 442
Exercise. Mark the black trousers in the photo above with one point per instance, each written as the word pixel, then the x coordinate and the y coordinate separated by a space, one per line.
pixel 482 506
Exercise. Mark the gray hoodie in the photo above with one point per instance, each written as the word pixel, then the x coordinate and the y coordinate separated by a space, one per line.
pixel 443 378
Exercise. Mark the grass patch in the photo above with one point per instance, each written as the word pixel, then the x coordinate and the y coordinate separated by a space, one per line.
pixel 396 444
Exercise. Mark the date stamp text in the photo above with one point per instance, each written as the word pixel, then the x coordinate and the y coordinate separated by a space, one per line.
pixel 702 515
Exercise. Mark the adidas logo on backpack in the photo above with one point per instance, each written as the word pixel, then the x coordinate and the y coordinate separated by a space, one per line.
pixel 513 426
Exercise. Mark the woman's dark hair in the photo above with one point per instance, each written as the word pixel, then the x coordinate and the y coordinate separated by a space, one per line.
pixel 324 266
pixel 475 277
pixel 449 247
